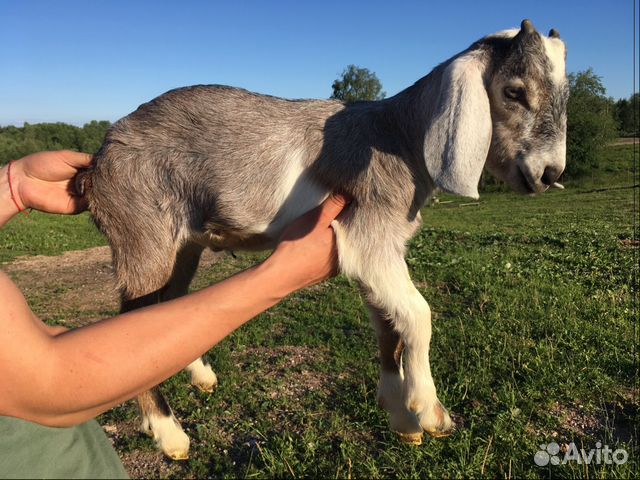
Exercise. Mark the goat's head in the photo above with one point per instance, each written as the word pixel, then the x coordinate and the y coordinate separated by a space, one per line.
pixel 501 103
pixel 528 93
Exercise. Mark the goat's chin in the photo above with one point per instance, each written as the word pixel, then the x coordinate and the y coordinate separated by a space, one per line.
pixel 514 178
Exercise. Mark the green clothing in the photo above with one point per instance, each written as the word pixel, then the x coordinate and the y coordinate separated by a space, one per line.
pixel 28 450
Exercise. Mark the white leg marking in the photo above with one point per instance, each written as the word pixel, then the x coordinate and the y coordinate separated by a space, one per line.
pixel 392 290
pixel 419 390
pixel 168 434
pixel 202 375
pixel 401 420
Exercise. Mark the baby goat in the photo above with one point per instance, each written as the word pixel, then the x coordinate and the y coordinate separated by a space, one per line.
pixel 220 167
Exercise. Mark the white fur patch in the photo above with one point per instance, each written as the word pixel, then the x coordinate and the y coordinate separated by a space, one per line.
pixel 391 398
pixel 554 48
pixel 168 435
pixel 509 33
pixel 555 51
pixel 296 195
pixel 202 375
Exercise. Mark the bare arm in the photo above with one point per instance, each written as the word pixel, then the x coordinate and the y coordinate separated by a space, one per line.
pixel 66 378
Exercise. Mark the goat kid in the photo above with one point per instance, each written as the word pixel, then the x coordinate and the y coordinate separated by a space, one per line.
pixel 223 168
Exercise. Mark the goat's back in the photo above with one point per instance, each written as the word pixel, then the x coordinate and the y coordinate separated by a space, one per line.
pixel 231 155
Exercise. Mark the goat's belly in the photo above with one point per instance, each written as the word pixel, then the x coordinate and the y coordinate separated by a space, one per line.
pixel 217 238
pixel 296 196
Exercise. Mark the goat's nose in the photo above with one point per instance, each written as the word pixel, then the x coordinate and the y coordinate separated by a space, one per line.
pixel 550 175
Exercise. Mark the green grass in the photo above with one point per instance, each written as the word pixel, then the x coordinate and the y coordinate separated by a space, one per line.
pixel 41 234
pixel 534 341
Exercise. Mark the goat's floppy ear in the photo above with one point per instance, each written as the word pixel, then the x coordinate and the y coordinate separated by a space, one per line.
pixel 458 139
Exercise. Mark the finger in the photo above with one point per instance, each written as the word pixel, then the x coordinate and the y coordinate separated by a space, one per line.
pixel 76 159
pixel 331 208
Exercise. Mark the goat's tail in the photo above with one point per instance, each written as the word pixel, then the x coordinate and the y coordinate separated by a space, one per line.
pixel 84 182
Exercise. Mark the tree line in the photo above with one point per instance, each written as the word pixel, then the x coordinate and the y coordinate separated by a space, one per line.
pixel 594 120
pixel 16 142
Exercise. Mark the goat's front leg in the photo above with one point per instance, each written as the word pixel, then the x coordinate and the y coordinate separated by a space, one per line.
pixel 413 321
pixel 391 384
pixel 388 287
pixel 406 384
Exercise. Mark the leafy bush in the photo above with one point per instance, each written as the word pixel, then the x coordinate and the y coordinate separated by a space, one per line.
pixel 590 122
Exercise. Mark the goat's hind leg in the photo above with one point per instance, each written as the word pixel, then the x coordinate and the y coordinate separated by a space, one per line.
pixel 202 375
pixel 158 421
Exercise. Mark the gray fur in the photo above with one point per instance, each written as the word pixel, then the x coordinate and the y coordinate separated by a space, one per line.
pixel 202 166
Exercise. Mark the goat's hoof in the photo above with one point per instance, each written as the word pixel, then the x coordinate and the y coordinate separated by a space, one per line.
pixel 204 379
pixel 206 387
pixel 180 456
pixel 168 435
pixel 440 434
pixel 410 438
pixel 176 447
pixel 436 421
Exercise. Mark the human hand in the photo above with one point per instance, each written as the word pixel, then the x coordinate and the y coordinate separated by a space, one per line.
pixel 44 181
pixel 307 252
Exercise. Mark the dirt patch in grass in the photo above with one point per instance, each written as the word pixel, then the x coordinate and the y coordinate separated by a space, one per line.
pixel 80 282
pixel 626 141
pixel 288 371
pixel 576 420
pixel 613 420
pixel 75 288
pixel 629 243
pixel 148 464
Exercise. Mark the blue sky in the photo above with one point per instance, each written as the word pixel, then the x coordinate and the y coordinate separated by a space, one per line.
pixel 74 61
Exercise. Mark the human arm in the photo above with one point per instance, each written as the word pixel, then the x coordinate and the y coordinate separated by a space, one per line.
pixel 42 181
pixel 71 377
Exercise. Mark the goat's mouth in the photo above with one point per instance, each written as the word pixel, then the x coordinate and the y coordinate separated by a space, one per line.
pixel 528 184
pixel 516 174
pixel 519 182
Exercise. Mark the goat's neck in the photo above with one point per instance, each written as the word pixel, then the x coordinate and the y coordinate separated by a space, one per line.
pixel 391 130
pixel 416 106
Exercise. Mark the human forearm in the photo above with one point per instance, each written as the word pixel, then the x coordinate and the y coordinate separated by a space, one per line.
pixel 90 369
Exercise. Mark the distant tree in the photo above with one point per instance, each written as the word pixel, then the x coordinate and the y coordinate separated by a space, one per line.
pixel 16 142
pixel 357 84
pixel 92 135
pixel 590 122
pixel 626 114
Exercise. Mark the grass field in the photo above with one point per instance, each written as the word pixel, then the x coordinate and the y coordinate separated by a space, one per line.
pixel 534 342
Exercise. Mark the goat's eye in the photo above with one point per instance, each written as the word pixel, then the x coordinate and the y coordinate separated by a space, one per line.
pixel 514 93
